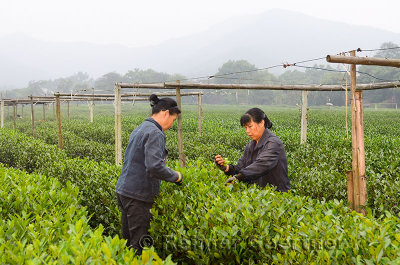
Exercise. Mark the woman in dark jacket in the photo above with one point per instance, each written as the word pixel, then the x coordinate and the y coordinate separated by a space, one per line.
pixel 264 159
pixel 143 169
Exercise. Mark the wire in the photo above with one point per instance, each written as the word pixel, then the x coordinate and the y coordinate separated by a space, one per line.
pixel 380 49
pixel 320 68
pixel 241 72
pixel 207 77
pixel 342 71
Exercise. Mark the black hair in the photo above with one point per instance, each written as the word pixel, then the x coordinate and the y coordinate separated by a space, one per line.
pixel 160 104
pixel 256 115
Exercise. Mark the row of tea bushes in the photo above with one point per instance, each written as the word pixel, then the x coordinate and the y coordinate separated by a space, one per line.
pixel 74 144
pixel 95 180
pixel 317 169
pixel 206 223
pixel 42 222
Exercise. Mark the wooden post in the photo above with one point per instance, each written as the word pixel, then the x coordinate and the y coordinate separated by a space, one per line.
pixel 44 111
pixel 200 111
pixel 68 110
pixel 15 115
pixel 304 116
pixel 2 113
pixel 361 150
pixel 182 159
pixel 358 164
pixel 22 111
pixel 91 110
pixel 58 114
pixel 350 189
pixel 118 126
pixel 54 111
pixel 8 112
pixel 32 118
pixel 352 59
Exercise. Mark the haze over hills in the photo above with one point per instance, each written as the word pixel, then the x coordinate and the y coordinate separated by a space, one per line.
pixel 267 39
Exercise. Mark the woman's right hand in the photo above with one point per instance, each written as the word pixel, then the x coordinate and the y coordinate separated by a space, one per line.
pixel 219 161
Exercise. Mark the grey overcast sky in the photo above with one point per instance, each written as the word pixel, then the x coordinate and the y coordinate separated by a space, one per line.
pixel 146 22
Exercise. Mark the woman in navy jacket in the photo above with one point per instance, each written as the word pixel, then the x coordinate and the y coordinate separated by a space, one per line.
pixel 264 159
pixel 143 169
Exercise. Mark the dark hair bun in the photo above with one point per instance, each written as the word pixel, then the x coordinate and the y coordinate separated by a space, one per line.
pixel 153 100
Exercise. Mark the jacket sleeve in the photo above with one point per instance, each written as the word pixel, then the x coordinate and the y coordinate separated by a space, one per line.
pixel 154 159
pixel 234 169
pixel 266 160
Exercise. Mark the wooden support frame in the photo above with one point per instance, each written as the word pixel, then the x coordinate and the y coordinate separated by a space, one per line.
pixel 2 113
pixel 91 104
pixel 358 153
pixel 304 116
pixel 15 115
pixel 352 59
pixel 58 116
pixel 32 117
pixel 200 109
pixel 357 186
pixel 118 126
pixel 182 158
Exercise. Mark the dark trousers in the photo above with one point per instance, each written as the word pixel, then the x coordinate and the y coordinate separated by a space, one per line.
pixel 135 219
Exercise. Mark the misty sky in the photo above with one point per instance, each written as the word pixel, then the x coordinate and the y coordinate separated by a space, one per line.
pixel 146 22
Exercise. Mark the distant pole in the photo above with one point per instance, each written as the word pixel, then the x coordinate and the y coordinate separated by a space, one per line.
pixel 68 109
pixel 54 111
pixel 22 111
pixel 32 118
pixel 8 112
pixel 304 116
pixel 44 111
pixel 58 114
pixel 118 125
pixel 182 159
pixel 15 115
pixel 2 112
pixel 200 111
pixel 91 110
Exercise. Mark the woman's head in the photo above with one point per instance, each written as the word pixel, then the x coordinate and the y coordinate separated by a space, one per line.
pixel 255 121
pixel 164 111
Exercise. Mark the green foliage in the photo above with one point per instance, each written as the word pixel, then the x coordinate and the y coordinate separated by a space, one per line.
pixel 205 222
pixel 317 169
pixel 43 223
pixel 96 181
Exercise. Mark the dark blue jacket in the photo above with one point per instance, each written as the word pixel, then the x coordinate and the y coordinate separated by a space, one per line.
pixel 144 163
pixel 264 163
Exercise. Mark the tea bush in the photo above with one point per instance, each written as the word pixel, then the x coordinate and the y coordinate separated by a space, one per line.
pixel 204 222
pixel 95 180
pixel 43 223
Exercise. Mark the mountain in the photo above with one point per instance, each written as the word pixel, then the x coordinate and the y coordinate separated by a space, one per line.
pixel 270 38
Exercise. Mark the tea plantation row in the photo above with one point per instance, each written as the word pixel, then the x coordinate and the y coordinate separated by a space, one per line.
pixel 317 169
pixel 204 222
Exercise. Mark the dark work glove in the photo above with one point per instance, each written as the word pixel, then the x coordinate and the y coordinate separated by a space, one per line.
pixel 179 181
pixel 222 167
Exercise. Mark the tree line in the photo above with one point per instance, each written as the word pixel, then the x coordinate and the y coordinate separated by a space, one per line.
pixel 240 72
